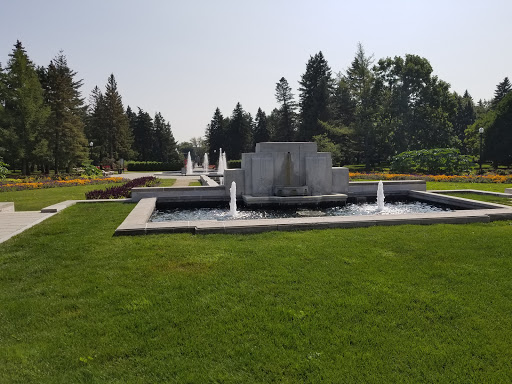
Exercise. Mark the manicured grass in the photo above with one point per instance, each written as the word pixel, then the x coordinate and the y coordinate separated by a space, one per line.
pixel 35 199
pixel 382 304
pixel 491 187
pixel 486 198
pixel 194 184
pixel 166 182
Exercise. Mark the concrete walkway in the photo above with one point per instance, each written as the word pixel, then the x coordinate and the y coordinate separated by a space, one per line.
pixel 13 223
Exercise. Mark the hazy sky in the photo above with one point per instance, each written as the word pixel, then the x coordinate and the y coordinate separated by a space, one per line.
pixel 185 58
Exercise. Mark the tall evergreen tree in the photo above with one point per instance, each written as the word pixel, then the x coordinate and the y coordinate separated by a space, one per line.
pixel 261 132
pixel 144 138
pixel 96 126
pixel 464 116
pixel 498 133
pixel 65 126
pixel 239 133
pixel 24 112
pixel 502 89
pixel 315 92
pixel 165 145
pixel 285 130
pixel 216 134
pixel 119 137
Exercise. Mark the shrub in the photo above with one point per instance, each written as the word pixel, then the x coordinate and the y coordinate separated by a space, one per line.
pixel 234 163
pixel 3 170
pixel 447 161
pixel 154 166
pixel 91 170
pixel 122 192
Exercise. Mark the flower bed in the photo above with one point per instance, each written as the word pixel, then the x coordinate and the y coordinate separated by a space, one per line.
pixel 39 183
pixel 123 191
pixel 463 179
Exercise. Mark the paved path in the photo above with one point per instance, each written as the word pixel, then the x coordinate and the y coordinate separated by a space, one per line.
pixel 13 223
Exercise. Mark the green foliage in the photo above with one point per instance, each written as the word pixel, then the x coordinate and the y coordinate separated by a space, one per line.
pixel 91 170
pixel 498 135
pixel 154 166
pixel 324 144
pixel 261 131
pixel 24 112
pixel 234 163
pixel 239 138
pixel 216 133
pixel 286 124
pixel 3 170
pixel 437 161
pixel 315 90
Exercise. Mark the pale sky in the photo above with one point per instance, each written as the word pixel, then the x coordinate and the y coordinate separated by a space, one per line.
pixel 185 58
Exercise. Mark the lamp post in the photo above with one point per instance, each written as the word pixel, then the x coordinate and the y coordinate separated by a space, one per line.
pixel 481 132
pixel 91 144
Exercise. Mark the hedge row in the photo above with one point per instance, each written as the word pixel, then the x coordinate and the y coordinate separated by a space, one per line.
pixel 438 161
pixel 154 166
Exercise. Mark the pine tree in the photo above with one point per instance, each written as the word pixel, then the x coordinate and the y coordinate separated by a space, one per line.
pixel 144 138
pixel 165 145
pixel 216 134
pixel 502 89
pixel 96 126
pixel 498 133
pixel 286 125
pixel 240 133
pixel 119 138
pixel 24 112
pixel 65 126
pixel 261 132
pixel 315 92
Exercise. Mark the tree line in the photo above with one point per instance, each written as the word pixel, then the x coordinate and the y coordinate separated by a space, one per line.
pixel 46 124
pixel 371 112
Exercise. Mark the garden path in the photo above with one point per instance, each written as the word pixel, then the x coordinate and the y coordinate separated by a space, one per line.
pixel 13 223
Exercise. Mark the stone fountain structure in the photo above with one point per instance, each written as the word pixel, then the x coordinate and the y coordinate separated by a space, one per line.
pixel 288 173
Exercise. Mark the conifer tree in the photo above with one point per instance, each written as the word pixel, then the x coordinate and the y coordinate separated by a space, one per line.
pixel 501 91
pixel 216 134
pixel 286 126
pixel 118 135
pixel 144 138
pixel 165 145
pixel 95 129
pixel 65 127
pixel 240 133
pixel 261 132
pixel 24 112
pixel 315 92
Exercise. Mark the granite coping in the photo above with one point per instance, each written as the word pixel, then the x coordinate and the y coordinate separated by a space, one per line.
pixel 137 223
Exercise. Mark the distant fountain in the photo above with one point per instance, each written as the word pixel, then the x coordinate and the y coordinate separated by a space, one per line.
pixel 206 165
pixel 220 169
pixel 224 160
pixel 189 165
pixel 380 196
pixel 232 202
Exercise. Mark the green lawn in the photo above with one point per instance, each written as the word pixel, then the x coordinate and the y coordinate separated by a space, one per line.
pixel 486 198
pixel 492 187
pixel 383 304
pixel 166 182
pixel 35 199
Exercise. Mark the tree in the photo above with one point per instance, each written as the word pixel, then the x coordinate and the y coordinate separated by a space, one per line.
pixel 239 133
pixel 119 137
pixel 65 127
pixel 365 91
pixel 498 135
pixel 24 113
pixel 215 133
pixel 315 91
pixel 165 145
pixel 144 138
pixel 286 124
pixel 96 126
pixel 261 132
pixel 502 89
pixel 464 116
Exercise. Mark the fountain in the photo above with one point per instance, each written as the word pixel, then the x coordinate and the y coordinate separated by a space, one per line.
pixel 380 196
pixel 224 161
pixel 232 202
pixel 220 168
pixel 189 170
pixel 206 165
